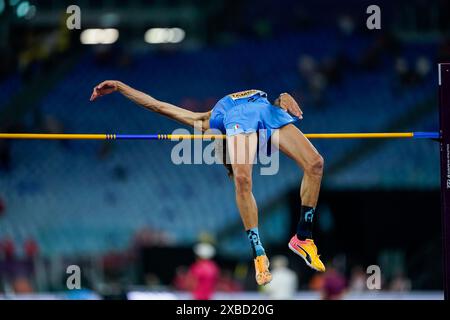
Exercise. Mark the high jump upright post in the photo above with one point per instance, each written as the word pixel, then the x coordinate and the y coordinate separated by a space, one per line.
pixel 444 124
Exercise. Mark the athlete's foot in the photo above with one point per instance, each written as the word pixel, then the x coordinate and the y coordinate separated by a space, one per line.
pixel 263 275
pixel 308 251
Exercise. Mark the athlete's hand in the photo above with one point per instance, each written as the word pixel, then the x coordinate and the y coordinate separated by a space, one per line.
pixel 104 88
pixel 286 102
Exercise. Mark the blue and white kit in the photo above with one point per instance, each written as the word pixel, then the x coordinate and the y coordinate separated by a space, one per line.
pixel 246 112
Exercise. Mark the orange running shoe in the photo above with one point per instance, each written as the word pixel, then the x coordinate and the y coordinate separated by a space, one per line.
pixel 263 275
pixel 308 251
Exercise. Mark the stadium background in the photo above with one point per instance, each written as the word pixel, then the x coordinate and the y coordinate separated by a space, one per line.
pixel 129 217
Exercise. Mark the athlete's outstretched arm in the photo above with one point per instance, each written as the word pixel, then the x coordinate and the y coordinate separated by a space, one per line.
pixel 199 120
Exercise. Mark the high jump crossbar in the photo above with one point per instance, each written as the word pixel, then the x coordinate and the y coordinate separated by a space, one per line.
pixel 113 136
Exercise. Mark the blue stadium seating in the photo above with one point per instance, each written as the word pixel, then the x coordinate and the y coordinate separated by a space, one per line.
pixel 9 87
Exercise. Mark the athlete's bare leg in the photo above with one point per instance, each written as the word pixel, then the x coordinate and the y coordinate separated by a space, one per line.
pixel 242 150
pixel 294 144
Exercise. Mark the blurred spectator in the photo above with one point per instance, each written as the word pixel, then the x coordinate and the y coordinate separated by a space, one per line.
pixel 284 281
pixel 334 285
pixel 227 283
pixel 180 280
pixel 308 69
pixel 144 237
pixel 408 76
pixel 114 264
pixel 346 24
pixel 401 67
pixel 306 66
pixel 152 280
pixel 31 249
pixel 317 86
pixel 204 273
pixel 319 76
pixel 2 206
pixel 423 67
pixel 21 285
pixel 358 280
pixel 147 237
pixel 207 237
pixel 8 249
pixel 400 282
pixel 316 282
pixel 405 75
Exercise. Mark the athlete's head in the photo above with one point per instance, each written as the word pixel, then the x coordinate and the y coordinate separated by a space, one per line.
pixel 224 159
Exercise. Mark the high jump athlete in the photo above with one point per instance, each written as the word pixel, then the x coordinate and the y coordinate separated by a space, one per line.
pixel 240 115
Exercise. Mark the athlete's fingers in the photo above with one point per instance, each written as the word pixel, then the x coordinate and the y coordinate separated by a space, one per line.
pixel 301 113
pixel 93 95
pixel 95 92
pixel 288 103
pixel 103 84
pixel 106 87
pixel 296 111
pixel 108 84
pixel 293 107
pixel 101 87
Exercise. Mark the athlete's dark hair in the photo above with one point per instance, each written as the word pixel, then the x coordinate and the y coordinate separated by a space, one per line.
pixel 224 159
pixel 222 151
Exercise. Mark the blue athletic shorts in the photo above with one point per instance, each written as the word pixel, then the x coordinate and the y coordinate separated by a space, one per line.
pixel 246 112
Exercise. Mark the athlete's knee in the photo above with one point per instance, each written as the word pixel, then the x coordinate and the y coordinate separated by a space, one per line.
pixel 314 167
pixel 243 182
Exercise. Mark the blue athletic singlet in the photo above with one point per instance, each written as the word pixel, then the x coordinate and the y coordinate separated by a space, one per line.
pixel 247 112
